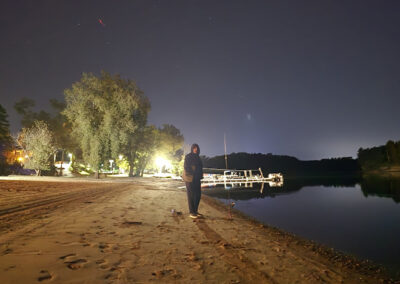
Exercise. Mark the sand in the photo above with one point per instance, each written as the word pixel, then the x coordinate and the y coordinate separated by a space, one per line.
pixel 60 230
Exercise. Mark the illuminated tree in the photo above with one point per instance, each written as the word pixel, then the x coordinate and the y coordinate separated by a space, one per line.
pixel 147 143
pixel 171 145
pixel 105 112
pixel 38 143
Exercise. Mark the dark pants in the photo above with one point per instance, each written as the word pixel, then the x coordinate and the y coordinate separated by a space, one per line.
pixel 193 191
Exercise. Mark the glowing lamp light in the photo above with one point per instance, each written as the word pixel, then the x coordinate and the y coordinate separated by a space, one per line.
pixel 20 159
pixel 161 163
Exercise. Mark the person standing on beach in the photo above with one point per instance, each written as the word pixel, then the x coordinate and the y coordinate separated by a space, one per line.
pixel 192 174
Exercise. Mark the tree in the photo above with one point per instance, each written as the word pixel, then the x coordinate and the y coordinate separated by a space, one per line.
pixel 24 108
pixel 147 143
pixel 105 112
pixel 38 143
pixel 166 141
pixel 391 152
pixel 56 122
pixel 171 145
pixel 5 139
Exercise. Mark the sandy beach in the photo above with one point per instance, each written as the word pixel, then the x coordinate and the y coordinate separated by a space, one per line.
pixel 60 230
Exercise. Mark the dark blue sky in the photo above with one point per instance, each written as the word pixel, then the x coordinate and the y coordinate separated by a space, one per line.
pixel 311 79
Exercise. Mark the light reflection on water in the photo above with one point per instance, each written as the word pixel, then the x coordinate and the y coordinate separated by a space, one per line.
pixel 357 217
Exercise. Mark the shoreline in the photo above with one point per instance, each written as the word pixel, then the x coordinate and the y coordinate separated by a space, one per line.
pixel 364 266
pixel 127 234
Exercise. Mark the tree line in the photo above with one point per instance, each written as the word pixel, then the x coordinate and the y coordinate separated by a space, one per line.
pixel 387 155
pixel 287 165
pixel 103 118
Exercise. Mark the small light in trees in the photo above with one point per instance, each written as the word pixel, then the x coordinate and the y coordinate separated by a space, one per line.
pixel 70 155
pixel 120 157
pixel 20 159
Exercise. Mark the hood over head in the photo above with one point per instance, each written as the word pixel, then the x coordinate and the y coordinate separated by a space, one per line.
pixel 194 146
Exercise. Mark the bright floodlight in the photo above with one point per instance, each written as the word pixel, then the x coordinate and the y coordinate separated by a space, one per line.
pixel 163 163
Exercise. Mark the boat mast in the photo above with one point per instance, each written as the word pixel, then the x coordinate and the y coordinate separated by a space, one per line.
pixel 226 158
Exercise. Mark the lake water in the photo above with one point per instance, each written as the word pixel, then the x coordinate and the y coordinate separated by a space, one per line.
pixel 359 217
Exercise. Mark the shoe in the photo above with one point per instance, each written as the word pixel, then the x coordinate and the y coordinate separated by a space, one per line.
pixel 199 214
pixel 193 216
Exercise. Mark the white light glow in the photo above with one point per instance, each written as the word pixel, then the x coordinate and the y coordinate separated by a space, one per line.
pixel 163 163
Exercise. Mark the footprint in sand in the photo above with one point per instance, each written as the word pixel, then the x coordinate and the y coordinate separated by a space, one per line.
pixel 7 251
pixel 130 223
pixel 165 272
pixel 73 264
pixel 136 245
pixel 103 264
pixel 104 247
pixel 67 255
pixel 10 267
pixel 44 275
pixel 83 240
pixel 116 270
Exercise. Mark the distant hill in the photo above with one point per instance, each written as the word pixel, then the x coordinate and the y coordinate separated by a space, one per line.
pixel 287 165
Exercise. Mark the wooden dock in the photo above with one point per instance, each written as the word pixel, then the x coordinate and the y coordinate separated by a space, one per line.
pixel 244 178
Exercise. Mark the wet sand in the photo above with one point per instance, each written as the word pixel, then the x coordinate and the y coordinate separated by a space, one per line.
pixel 123 231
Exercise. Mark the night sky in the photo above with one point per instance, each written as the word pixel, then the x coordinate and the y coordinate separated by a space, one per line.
pixel 311 79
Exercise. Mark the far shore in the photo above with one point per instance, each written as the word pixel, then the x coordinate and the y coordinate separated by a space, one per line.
pixel 385 172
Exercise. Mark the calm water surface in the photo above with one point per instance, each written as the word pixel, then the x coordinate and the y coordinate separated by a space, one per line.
pixel 356 217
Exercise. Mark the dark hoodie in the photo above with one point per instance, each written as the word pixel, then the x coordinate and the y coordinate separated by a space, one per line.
pixel 193 164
